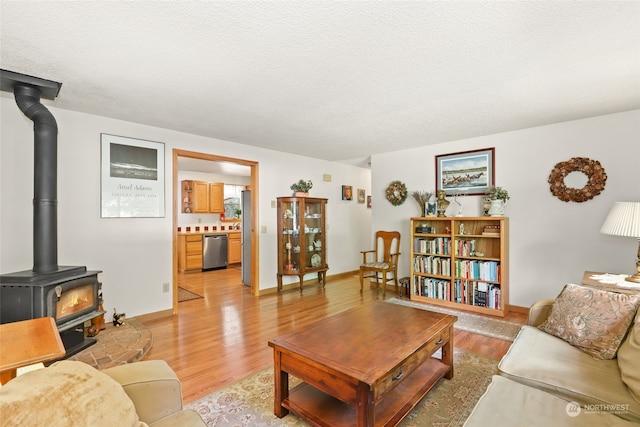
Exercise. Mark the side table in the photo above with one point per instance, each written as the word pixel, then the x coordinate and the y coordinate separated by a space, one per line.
pixel 28 342
pixel 613 282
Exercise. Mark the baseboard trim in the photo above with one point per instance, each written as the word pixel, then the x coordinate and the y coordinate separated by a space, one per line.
pixel 519 309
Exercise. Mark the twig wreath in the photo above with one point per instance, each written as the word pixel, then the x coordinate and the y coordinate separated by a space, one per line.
pixel 594 171
pixel 396 193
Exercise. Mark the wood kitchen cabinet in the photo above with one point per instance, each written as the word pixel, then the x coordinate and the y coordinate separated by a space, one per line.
pixel 189 252
pixel 234 248
pixel 216 197
pixel 195 196
pixel 202 197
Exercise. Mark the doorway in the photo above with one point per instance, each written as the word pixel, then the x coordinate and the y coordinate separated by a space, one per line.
pixel 215 159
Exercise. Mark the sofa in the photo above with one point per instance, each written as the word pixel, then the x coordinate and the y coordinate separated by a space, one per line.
pixel 575 363
pixel 71 393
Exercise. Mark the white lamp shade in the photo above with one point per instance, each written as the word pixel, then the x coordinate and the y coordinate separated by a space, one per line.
pixel 623 220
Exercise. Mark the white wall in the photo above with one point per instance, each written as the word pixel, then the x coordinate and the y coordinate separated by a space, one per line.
pixel 134 254
pixel 551 242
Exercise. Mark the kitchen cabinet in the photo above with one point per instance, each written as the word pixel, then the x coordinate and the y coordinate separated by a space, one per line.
pixel 202 197
pixel 189 252
pixel 216 197
pixel 195 196
pixel 235 248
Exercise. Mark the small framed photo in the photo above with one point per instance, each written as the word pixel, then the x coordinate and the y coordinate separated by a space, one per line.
pixel 360 195
pixel 469 173
pixel 369 201
pixel 347 192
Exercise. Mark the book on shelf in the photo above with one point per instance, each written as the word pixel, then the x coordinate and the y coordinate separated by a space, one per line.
pixel 491 230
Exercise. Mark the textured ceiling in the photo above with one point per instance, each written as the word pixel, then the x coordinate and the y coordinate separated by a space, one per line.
pixel 331 80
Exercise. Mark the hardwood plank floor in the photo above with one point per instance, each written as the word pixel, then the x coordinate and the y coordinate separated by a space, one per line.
pixel 219 339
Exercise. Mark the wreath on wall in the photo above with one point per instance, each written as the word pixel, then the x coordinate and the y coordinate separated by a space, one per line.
pixel 396 193
pixel 594 171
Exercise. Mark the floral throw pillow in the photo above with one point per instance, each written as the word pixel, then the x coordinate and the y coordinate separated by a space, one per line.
pixel 593 320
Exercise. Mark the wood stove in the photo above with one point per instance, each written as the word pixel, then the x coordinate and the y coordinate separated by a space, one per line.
pixel 68 294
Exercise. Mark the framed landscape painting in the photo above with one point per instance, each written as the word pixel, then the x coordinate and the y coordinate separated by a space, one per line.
pixel 465 173
pixel 131 177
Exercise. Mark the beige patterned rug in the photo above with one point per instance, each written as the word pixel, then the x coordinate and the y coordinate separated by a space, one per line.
pixel 249 402
pixel 481 325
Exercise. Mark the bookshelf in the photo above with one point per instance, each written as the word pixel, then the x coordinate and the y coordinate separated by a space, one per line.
pixel 461 262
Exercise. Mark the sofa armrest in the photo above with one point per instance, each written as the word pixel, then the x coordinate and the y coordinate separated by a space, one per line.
pixel 539 312
pixel 153 387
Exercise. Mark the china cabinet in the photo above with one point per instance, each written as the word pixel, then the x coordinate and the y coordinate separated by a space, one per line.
pixel 302 245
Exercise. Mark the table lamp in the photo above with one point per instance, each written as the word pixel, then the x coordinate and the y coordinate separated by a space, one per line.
pixel 624 220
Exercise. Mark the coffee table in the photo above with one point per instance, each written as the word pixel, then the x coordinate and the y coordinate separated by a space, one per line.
pixel 368 366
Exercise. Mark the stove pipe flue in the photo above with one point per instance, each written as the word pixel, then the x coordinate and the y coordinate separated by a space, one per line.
pixel 27 91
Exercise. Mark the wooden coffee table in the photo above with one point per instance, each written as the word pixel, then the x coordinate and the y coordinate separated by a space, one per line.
pixel 368 366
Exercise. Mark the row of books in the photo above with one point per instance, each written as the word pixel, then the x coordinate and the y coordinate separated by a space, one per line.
pixel 439 245
pixel 479 270
pixel 480 294
pixel 432 265
pixel 432 288
pixel 465 247
pixel 491 230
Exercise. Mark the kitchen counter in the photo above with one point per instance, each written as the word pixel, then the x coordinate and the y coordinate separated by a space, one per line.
pixel 195 233
pixel 190 248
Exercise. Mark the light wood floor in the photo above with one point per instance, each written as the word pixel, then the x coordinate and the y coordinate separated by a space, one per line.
pixel 219 339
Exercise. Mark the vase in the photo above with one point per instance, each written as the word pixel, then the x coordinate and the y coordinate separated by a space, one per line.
pixel 497 207
pixel 301 194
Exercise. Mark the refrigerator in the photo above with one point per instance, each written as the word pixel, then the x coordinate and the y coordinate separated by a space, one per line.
pixel 245 202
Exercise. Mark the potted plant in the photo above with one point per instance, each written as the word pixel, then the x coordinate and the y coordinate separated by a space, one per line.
pixel 498 197
pixel 301 188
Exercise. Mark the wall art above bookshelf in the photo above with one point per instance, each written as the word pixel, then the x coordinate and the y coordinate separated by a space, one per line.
pixel 461 262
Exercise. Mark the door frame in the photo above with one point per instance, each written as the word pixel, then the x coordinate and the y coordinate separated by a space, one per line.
pixel 255 262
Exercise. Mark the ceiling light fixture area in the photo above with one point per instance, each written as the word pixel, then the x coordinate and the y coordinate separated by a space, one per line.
pixel 48 88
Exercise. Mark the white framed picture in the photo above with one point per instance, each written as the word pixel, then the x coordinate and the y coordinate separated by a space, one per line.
pixel 132 177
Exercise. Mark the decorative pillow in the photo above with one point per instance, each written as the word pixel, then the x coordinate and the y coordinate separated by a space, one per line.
pixel 628 357
pixel 66 394
pixel 593 320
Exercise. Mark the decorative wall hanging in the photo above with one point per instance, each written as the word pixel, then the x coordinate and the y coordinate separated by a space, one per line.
pixel 361 195
pixel 347 192
pixel 465 173
pixel 594 171
pixel 396 193
pixel 132 178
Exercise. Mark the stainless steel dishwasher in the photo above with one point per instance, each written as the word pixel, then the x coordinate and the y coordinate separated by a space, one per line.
pixel 214 251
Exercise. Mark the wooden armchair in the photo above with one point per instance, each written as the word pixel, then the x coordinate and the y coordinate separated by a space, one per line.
pixel 382 260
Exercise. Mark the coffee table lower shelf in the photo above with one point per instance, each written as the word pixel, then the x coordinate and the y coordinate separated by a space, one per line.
pixel 321 409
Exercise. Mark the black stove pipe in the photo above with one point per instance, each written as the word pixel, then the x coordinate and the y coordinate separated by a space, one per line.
pixel 45 180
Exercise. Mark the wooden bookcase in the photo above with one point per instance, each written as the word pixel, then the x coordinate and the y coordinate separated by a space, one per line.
pixel 461 262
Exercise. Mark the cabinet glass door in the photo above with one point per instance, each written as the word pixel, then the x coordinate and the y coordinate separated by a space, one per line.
pixel 313 217
pixel 291 235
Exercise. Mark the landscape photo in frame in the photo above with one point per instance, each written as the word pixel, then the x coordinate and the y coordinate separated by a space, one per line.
pixel 132 178
pixel 465 173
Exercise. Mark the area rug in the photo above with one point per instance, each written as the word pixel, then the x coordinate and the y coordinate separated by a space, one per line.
pixel 249 402
pixel 185 295
pixel 494 328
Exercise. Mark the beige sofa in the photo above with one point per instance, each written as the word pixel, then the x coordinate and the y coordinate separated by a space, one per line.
pixel 547 381
pixel 70 393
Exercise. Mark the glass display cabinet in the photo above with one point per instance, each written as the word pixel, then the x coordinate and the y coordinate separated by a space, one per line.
pixel 302 245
